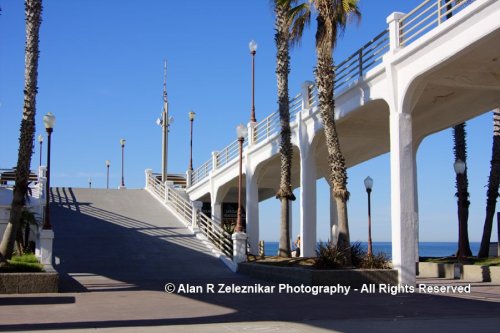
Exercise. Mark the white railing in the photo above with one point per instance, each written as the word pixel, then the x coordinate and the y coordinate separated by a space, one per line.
pixel 413 25
pixel 215 234
pixel 184 209
pixel 426 16
pixel 267 127
pixel 227 154
pixel 201 172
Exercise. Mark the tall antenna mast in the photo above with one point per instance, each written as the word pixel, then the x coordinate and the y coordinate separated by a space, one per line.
pixel 165 81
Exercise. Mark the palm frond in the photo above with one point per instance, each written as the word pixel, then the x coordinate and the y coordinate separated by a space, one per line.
pixel 299 18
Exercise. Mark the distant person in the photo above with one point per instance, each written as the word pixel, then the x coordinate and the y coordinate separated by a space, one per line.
pixel 297 246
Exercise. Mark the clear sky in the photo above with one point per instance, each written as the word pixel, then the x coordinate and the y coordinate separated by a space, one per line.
pixel 101 74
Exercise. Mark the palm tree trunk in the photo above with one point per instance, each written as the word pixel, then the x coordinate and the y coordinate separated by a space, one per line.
pixel 462 184
pixel 33 10
pixel 337 175
pixel 282 70
pixel 493 184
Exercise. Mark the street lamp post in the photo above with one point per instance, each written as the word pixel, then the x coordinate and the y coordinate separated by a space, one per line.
pixel 460 167
pixel 368 186
pixel 49 120
pixel 107 174
pixel 122 143
pixel 241 132
pixel 253 50
pixel 191 120
pixel 90 182
pixel 40 140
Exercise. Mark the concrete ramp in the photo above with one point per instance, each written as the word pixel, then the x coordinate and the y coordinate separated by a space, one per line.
pixel 114 239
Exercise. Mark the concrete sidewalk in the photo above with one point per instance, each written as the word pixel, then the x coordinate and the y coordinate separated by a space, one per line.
pixel 116 251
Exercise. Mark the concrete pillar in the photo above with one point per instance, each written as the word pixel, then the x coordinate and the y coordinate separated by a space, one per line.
pixel 334 220
pixel 148 173
pixel 251 133
pixel 239 247
pixel 46 238
pixel 415 198
pixel 306 93
pixel 394 36
pixel 214 160
pixel 252 211
pixel 217 212
pixel 403 213
pixel 42 171
pixel 196 208
pixel 307 205
pixel 189 178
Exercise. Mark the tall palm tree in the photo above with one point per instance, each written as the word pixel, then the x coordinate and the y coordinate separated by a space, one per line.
pixel 462 181
pixel 493 183
pixel 33 11
pixel 462 184
pixel 285 193
pixel 332 18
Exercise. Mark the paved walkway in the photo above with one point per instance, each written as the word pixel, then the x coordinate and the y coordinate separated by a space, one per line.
pixel 116 250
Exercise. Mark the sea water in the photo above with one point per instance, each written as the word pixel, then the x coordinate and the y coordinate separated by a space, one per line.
pixel 426 249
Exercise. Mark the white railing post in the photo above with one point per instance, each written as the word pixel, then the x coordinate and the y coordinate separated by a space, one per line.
pixel 42 171
pixel 252 126
pixel 393 21
pixel 306 94
pixel 214 160
pixel 166 192
pixel 439 5
pixel 189 176
pixel 196 206
pixel 148 173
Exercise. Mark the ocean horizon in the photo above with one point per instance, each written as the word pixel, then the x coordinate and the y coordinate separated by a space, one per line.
pixel 426 249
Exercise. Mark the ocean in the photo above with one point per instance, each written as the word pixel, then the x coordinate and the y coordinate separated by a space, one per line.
pixel 426 249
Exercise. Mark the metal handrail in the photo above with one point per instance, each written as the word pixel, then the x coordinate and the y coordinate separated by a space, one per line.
pixel 411 26
pixel 425 17
pixel 220 238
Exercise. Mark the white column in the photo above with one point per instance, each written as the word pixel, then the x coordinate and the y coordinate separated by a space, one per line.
pixel 307 205
pixel 403 213
pixel 217 212
pixel 214 160
pixel 415 198
pixel 196 208
pixel 394 35
pixel 189 175
pixel 252 211
pixel 251 133
pixel 306 93
pixel 239 247
pixel 148 173
pixel 334 220
pixel 46 238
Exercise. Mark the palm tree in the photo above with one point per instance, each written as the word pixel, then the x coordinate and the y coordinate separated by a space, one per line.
pixel 33 11
pixel 285 193
pixel 332 17
pixel 493 183
pixel 462 183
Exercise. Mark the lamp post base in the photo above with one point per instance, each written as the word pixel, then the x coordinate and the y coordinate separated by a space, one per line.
pixel 239 247
pixel 122 187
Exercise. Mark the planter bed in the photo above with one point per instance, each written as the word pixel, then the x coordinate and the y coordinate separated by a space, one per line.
pixel 312 277
pixel 29 283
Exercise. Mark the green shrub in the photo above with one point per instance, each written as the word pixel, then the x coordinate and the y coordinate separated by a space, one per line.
pixel 24 263
pixel 376 261
pixel 330 256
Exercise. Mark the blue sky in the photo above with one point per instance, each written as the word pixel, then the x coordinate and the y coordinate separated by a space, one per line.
pixel 101 74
